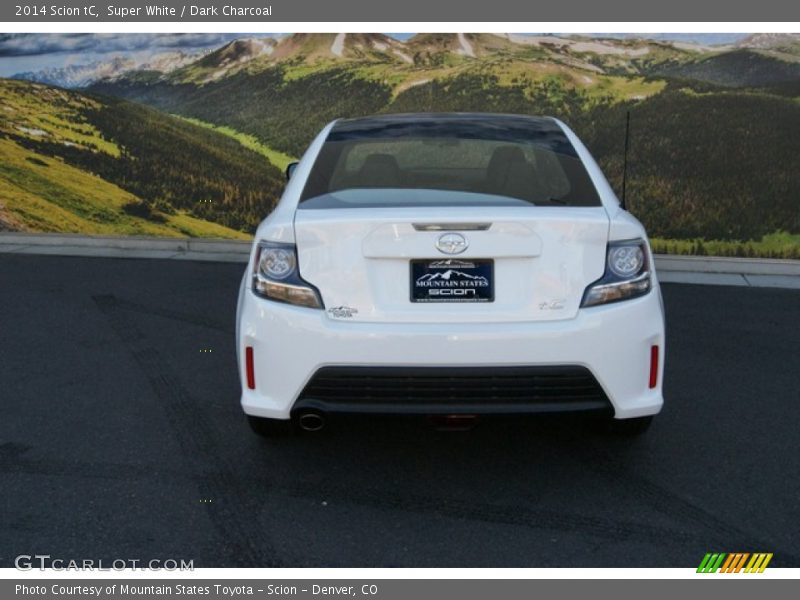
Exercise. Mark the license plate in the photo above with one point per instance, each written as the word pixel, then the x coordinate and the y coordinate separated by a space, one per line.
pixel 452 280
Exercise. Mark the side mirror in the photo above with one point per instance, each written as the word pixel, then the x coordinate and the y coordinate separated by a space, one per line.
pixel 290 170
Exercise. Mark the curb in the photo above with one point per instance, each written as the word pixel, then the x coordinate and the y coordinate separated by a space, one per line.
pixel 701 270
pixel 64 244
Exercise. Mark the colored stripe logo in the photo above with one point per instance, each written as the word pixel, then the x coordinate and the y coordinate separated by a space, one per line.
pixel 736 562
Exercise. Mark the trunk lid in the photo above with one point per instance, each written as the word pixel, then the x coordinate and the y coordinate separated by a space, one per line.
pixel 543 259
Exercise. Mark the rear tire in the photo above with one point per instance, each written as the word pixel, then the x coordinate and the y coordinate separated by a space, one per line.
pixel 627 427
pixel 270 428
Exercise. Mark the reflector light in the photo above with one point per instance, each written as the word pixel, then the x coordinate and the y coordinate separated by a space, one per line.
pixel 653 366
pixel 251 373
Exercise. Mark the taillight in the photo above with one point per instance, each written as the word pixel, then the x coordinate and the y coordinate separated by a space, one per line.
pixel 653 366
pixel 276 276
pixel 627 274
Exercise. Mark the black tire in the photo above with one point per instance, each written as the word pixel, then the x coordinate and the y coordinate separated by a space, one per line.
pixel 627 427
pixel 270 428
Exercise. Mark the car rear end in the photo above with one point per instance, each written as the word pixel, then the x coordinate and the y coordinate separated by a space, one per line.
pixel 450 264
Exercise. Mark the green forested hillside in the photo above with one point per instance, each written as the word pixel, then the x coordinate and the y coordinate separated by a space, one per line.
pixel 72 162
pixel 740 68
pixel 715 165
pixel 706 161
pixel 283 112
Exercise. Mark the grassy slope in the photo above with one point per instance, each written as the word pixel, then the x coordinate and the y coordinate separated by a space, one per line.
pixel 73 163
pixel 40 112
pixel 41 193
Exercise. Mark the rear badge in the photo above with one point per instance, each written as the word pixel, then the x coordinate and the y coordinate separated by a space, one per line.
pixel 451 243
pixel 552 305
pixel 342 312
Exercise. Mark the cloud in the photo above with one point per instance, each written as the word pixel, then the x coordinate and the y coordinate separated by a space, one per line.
pixel 21 44
pixel 35 44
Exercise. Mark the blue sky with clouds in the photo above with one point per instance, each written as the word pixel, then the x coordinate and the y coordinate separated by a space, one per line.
pixel 34 52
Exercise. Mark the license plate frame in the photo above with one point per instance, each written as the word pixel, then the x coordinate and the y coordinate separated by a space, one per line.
pixel 450 280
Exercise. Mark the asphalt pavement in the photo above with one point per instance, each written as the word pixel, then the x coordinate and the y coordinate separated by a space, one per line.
pixel 121 437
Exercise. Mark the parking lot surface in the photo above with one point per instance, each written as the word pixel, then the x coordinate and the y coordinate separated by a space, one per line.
pixel 121 437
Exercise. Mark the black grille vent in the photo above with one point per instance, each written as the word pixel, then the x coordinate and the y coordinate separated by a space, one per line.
pixel 431 390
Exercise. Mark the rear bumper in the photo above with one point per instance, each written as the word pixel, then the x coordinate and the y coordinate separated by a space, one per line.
pixel 291 344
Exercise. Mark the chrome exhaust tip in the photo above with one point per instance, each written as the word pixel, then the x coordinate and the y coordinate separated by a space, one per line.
pixel 311 421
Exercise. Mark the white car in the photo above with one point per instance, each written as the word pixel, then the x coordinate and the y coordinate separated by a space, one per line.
pixel 451 265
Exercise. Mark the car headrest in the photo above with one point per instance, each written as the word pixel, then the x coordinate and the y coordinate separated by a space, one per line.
pixel 502 160
pixel 379 170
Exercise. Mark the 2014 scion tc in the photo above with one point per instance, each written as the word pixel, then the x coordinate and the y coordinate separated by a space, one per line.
pixel 449 264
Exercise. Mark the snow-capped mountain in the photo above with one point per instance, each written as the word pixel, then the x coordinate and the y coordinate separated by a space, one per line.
pixel 238 52
pixel 767 41
pixel 166 62
pixel 74 76
pixel 82 75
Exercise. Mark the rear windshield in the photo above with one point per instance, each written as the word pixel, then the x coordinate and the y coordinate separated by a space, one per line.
pixel 487 161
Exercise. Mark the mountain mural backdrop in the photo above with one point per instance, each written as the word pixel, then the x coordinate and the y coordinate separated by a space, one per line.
pixel 193 143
